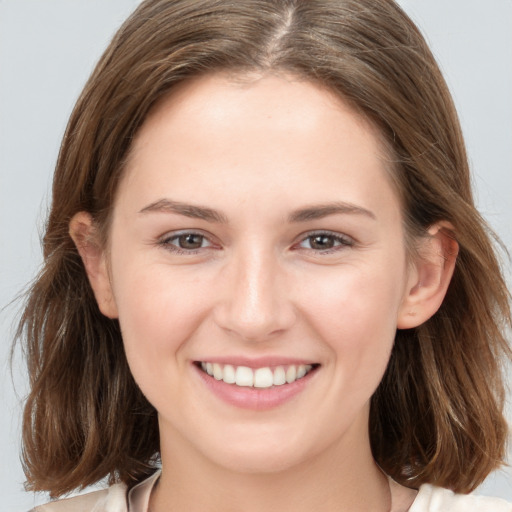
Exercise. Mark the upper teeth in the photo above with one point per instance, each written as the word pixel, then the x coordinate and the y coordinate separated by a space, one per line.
pixel 259 378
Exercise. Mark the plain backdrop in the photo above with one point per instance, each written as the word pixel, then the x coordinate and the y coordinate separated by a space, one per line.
pixel 47 50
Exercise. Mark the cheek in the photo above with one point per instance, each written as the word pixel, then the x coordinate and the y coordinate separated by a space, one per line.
pixel 159 311
pixel 354 300
pixel 355 314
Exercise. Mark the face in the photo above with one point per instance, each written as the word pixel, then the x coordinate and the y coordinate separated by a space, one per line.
pixel 256 237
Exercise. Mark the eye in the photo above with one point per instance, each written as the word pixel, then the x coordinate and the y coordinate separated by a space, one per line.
pixel 185 242
pixel 325 242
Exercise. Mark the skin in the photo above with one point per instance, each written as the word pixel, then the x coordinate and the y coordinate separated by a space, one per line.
pixel 256 151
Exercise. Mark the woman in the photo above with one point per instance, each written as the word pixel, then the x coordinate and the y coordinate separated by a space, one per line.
pixel 263 268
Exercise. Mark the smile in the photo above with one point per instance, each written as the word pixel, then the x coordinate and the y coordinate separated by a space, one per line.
pixel 265 377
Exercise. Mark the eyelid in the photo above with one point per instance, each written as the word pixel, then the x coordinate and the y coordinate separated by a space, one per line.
pixel 165 241
pixel 345 241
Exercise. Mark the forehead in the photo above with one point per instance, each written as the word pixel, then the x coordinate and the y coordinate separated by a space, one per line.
pixel 219 95
pixel 250 131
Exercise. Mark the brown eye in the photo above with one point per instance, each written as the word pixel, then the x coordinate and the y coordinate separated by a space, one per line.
pixel 190 241
pixel 186 242
pixel 326 242
pixel 320 242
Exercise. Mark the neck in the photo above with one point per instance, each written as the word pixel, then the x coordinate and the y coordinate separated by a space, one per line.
pixel 336 479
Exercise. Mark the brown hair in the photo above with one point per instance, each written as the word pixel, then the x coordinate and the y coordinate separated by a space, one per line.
pixel 437 415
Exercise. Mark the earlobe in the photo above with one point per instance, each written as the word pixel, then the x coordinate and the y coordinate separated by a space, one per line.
pixel 430 277
pixel 84 235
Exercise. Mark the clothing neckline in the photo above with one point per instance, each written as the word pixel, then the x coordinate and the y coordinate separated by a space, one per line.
pixel 139 495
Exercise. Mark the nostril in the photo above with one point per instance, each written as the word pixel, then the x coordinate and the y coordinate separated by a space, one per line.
pixel 255 325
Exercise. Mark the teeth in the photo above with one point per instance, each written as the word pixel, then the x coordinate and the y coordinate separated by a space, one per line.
pixel 263 378
pixel 259 378
pixel 279 376
pixel 244 376
pixel 217 371
pixel 229 374
pixel 291 374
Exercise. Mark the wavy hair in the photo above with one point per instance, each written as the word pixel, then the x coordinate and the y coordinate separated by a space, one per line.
pixel 437 416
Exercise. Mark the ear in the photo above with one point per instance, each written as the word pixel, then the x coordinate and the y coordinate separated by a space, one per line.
pixel 430 276
pixel 84 233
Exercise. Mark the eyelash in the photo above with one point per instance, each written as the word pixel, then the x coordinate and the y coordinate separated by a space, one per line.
pixel 343 241
pixel 166 243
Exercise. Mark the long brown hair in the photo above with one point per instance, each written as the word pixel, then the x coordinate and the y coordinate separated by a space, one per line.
pixel 437 415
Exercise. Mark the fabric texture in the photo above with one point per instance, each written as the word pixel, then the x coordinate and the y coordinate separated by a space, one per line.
pixel 436 499
pixel 117 499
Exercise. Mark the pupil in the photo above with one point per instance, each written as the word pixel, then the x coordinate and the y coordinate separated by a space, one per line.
pixel 322 242
pixel 190 241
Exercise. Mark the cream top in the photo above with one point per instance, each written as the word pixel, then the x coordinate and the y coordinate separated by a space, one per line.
pixel 428 499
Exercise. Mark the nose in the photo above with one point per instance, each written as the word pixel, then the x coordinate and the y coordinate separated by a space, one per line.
pixel 255 300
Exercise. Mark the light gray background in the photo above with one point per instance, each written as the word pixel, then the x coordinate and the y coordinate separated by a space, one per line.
pixel 47 50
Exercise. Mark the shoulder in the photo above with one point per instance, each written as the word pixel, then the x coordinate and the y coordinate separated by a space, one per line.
pixel 112 499
pixel 436 499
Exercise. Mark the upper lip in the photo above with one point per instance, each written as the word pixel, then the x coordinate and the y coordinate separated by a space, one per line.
pixel 257 362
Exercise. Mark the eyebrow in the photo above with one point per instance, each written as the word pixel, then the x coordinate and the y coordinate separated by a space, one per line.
pixel 324 210
pixel 301 215
pixel 188 210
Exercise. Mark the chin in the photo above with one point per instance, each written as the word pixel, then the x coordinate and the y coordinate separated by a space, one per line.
pixel 260 462
pixel 263 452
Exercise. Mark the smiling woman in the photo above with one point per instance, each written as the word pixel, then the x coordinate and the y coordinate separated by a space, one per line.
pixel 259 294
pixel 265 285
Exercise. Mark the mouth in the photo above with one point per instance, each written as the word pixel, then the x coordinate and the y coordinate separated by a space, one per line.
pixel 259 378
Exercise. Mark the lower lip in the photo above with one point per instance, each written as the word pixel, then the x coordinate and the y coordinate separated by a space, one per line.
pixel 257 399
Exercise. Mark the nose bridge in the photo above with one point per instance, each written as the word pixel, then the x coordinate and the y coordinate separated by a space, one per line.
pixel 255 301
